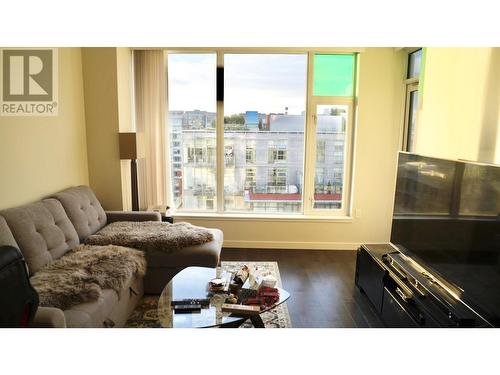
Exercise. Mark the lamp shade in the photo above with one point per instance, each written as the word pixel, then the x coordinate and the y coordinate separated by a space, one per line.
pixel 128 145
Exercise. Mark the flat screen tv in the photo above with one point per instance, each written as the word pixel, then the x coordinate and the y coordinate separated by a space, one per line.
pixel 447 218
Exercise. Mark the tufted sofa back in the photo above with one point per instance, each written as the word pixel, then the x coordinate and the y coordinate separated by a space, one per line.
pixel 42 230
pixel 83 209
pixel 6 237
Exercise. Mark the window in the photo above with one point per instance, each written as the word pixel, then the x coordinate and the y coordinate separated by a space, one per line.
pixel 250 179
pixel 276 181
pixel 248 153
pixel 320 150
pixel 411 100
pixel 332 110
pixel 331 127
pixel 277 151
pixel 192 105
pixel 264 105
pixel 414 62
pixel 333 75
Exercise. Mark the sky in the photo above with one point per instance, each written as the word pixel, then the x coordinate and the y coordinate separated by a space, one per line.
pixel 265 83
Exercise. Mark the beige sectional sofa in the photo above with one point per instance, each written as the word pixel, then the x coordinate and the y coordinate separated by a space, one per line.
pixel 45 231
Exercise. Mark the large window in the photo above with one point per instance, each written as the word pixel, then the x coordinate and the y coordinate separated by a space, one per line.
pixel 279 142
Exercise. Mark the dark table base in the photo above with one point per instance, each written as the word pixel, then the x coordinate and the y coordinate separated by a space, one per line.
pixel 255 319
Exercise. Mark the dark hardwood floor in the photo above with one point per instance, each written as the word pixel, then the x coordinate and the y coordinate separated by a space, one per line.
pixel 321 284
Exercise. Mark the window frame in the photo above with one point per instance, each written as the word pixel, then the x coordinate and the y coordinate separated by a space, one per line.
pixel 309 180
pixel 310 144
pixel 308 176
pixel 410 88
pixel 410 85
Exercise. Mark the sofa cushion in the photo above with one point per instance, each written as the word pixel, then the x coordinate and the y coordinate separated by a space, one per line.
pixel 83 209
pixel 6 237
pixel 204 255
pixel 42 230
pixel 82 275
pixel 163 266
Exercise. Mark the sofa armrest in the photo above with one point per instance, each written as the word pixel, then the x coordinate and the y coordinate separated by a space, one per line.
pixel 132 216
pixel 49 317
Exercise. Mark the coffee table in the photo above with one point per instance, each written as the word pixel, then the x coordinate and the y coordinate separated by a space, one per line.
pixel 192 283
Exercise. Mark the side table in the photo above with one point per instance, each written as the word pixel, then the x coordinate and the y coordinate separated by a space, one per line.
pixel 165 212
pixel 167 217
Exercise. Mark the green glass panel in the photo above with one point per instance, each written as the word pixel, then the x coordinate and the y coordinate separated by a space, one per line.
pixel 333 75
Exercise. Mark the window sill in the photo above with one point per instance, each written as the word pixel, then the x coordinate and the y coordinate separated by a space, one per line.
pixel 263 218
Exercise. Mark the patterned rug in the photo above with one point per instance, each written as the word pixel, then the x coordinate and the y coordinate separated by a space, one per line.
pixel 145 314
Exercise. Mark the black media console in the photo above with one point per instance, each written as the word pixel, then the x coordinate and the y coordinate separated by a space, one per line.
pixel 406 295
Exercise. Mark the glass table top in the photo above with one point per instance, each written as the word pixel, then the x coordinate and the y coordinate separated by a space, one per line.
pixel 192 282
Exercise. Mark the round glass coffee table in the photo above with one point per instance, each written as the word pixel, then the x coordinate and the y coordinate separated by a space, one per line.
pixel 192 283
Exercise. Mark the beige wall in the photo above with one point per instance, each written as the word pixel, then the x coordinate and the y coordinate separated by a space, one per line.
pixel 460 105
pixel 42 155
pixel 378 134
pixel 102 119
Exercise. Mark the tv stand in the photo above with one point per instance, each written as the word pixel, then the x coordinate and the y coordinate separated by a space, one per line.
pixel 405 295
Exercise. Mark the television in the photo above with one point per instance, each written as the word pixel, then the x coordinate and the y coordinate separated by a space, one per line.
pixel 447 219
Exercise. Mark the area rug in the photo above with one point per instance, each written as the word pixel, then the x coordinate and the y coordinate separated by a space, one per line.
pixel 145 314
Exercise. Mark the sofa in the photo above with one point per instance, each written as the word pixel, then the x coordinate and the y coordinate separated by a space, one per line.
pixel 46 230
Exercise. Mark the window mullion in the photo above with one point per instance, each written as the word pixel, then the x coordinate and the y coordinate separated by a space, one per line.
pixel 309 142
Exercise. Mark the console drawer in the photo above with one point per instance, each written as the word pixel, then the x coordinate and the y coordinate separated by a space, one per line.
pixel 394 312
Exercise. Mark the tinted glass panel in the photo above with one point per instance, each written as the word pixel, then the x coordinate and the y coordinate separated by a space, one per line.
pixel 333 75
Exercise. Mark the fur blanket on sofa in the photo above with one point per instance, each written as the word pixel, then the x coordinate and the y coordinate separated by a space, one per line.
pixel 82 274
pixel 151 235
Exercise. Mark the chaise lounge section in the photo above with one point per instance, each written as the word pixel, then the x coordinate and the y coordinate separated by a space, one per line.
pixel 47 230
pixel 88 217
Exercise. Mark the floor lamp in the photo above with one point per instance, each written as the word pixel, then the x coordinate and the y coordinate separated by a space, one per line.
pixel 128 151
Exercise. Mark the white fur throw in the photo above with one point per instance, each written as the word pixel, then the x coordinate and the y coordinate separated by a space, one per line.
pixel 151 235
pixel 82 274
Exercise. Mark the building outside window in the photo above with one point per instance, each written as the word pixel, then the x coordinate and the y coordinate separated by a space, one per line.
pixel 320 151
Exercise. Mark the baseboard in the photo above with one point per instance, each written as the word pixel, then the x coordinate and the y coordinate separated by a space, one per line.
pixel 291 245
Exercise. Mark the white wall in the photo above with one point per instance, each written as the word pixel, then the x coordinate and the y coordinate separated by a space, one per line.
pixel 378 133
